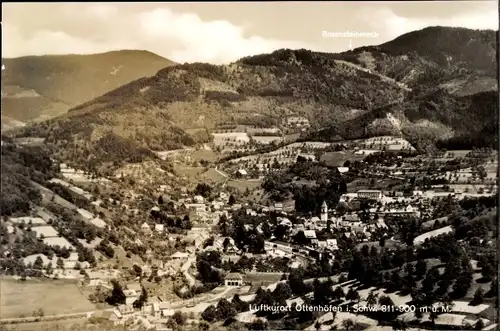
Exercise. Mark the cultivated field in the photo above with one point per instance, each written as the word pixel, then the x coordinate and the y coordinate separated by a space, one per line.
pixel 48 194
pixel 235 138
pixel 62 325
pixel 389 142
pixel 337 159
pixel 21 298
pixel 286 154
pixel 266 139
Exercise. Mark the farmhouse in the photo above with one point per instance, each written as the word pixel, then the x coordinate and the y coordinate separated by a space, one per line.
pixel 126 310
pixel 233 279
pixel 241 173
pixel 310 234
pixel 130 296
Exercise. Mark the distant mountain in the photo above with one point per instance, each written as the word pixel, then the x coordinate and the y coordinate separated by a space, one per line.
pixel 403 87
pixel 459 57
pixel 41 87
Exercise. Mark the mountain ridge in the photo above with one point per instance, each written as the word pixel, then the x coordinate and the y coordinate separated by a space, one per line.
pixel 41 87
pixel 325 88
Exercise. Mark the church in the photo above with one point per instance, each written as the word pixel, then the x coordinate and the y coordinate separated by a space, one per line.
pixel 324 212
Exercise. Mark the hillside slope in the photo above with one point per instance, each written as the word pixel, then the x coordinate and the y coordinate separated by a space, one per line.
pixel 40 87
pixel 333 91
pixel 431 55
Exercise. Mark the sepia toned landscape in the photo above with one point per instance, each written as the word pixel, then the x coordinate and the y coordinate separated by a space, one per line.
pixel 158 179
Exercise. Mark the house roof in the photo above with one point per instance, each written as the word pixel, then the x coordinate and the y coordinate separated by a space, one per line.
pixel 331 242
pixel 310 234
pixel 234 275
pixel 163 305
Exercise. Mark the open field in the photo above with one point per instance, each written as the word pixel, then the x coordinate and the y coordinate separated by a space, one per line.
pixel 206 155
pixel 20 298
pixel 242 185
pixel 48 194
pixel 213 176
pixel 190 172
pixel 389 244
pixel 120 258
pixel 221 139
pixel 267 139
pixel 48 325
pixel 286 154
pixel 434 233
pixel 337 159
pixel 380 184
pixel 383 142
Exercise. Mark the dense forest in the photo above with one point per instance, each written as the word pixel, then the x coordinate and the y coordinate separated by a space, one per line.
pixel 21 166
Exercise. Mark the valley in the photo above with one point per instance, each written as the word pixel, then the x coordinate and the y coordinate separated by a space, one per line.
pixel 248 196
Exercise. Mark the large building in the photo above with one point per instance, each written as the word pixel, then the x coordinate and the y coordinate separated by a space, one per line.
pixel 369 194
pixel 233 279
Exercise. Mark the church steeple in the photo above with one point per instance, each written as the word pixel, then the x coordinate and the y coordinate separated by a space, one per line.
pixel 324 212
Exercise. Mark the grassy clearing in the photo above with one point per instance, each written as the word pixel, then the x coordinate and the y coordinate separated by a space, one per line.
pixel 48 194
pixel 120 258
pixel 206 155
pixel 337 159
pixel 211 175
pixel 20 299
pixel 189 172
pixel 243 185
pixel 63 325
pixel 380 184
pixel 389 244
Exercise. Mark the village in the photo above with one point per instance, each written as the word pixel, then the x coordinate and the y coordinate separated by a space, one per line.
pixel 165 286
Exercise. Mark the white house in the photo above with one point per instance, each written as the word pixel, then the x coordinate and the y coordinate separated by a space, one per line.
pixel 242 172
pixel 332 244
pixel 310 234
pixel 159 228
pixel 130 296
pixel 198 199
pixel 233 279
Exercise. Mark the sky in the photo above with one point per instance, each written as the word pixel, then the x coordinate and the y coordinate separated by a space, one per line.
pixel 226 31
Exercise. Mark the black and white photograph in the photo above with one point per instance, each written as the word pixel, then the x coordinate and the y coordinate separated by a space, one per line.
pixel 289 165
